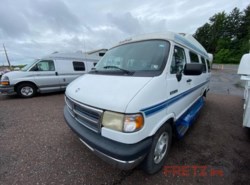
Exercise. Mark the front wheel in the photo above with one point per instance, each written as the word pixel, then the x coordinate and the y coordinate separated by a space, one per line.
pixel 159 150
pixel 26 90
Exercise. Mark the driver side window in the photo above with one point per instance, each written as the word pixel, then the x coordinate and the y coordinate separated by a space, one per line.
pixel 178 60
pixel 44 65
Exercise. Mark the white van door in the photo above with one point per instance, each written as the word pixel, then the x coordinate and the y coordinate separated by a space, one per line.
pixel 178 84
pixel 45 76
pixel 198 82
pixel 205 72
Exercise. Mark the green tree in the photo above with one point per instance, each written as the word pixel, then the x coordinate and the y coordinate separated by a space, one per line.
pixel 233 24
pixel 245 31
pixel 203 35
pixel 227 36
pixel 211 32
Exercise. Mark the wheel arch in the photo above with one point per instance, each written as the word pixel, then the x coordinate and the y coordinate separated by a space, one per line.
pixel 23 82
pixel 169 119
pixel 205 92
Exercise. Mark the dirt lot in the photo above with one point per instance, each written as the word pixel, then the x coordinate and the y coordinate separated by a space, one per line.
pixel 37 147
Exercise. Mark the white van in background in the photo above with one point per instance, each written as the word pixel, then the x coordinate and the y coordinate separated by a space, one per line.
pixel 142 92
pixel 49 74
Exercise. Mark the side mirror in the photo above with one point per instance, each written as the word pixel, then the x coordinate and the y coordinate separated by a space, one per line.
pixel 34 68
pixel 193 69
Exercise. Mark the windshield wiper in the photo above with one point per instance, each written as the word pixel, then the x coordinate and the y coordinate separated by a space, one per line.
pixel 115 67
pixel 93 69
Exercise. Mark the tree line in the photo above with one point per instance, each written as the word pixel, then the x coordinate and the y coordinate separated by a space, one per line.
pixel 226 36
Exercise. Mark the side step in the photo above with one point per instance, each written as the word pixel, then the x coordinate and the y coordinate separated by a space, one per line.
pixel 186 120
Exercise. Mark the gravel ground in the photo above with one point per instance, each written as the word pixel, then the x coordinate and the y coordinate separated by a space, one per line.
pixel 37 147
pixel 226 81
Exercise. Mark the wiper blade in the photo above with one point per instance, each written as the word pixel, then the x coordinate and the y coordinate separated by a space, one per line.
pixel 115 67
pixel 93 70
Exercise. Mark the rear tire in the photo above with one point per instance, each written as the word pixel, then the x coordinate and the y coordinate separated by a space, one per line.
pixel 26 90
pixel 159 150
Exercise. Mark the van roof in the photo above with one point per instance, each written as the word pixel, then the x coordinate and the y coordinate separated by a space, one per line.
pixel 79 55
pixel 186 40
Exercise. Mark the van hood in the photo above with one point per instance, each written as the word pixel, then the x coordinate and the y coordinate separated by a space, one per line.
pixel 106 92
pixel 13 73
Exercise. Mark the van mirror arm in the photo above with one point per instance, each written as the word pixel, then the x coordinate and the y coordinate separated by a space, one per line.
pixel 179 75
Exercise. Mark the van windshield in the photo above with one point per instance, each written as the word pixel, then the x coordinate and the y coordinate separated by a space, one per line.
pixel 144 58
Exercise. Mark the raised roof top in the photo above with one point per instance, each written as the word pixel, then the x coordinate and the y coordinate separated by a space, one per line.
pixel 181 38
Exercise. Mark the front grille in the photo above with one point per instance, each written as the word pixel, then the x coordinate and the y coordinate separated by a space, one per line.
pixel 85 115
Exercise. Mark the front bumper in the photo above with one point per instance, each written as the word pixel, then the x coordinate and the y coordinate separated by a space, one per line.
pixel 7 90
pixel 123 156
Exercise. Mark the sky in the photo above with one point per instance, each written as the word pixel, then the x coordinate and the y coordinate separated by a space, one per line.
pixel 30 29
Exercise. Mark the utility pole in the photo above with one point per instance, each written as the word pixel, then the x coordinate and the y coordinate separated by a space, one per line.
pixel 7 58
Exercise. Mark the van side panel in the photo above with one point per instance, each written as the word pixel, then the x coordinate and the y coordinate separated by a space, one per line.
pixel 66 72
pixel 90 64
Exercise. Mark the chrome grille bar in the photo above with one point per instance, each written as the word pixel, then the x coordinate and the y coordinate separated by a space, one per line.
pixel 85 115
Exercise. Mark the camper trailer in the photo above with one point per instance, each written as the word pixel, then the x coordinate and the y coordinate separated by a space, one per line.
pixel 51 73
pixel 244 71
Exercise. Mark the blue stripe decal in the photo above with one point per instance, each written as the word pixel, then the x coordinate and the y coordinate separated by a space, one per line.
pixel 182 40
pixel 163 105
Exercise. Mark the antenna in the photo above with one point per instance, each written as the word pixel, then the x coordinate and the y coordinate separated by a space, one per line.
pixel 7 58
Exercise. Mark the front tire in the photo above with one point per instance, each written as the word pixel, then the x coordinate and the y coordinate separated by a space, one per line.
pixel 26 90
pixel 159 150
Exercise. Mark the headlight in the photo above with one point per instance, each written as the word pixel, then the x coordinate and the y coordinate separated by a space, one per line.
pixel 113 120
pixel 5 80
pixel 122 122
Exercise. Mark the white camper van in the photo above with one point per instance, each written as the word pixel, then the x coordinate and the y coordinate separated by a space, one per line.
pixel 142 92
pixel 49 74
pixel 244 71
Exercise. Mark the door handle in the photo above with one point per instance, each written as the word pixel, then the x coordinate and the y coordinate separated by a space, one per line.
pixel 56 73
pixel 189 80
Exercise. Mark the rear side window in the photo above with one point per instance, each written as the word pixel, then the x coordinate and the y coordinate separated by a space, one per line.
pixel 204 65
pixel 78 66
pixel 193 57
pixel 178 60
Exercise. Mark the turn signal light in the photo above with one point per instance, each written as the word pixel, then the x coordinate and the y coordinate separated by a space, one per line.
pixel 5 83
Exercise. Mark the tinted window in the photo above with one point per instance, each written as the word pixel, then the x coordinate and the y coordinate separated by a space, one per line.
pixel 204 64
pixel 44 65
pixel 178 60
pixel 78 66
pixel 193 57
